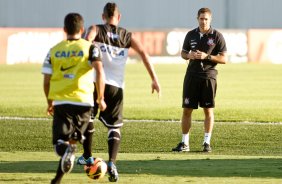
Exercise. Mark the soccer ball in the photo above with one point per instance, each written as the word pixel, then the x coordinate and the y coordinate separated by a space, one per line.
pixel 97 170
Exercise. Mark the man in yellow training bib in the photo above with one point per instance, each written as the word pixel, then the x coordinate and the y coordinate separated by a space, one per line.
pixel 68 87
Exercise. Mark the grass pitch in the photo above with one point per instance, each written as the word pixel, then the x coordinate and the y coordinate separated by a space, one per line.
pixel 242 152
pixel 246 92
pixel 39 167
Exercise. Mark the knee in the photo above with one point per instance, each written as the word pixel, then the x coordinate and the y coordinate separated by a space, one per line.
pixel 209 113
pixel 187 112
pixel 60 147
pixel 90 129
pixel 114 134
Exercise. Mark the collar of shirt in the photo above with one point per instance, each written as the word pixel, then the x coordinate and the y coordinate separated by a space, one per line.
pixel 210 31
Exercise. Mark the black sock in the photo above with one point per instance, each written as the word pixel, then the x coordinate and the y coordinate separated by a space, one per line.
pixel 87 144
pixel 113 145
pixel 59 175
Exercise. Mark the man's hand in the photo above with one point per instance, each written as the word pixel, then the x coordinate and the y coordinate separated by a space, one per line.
pixel 192 55
pixel 102 104
pixel 200 55
pixel 156 86
pixel 50 108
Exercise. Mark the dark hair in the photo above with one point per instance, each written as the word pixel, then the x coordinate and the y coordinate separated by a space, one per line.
pixel 73 23
pixel 110 9
pixel 204 10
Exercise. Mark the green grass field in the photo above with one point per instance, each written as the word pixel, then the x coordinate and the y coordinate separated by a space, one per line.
pixel 148 168
pixel 246 92
pixel 243 152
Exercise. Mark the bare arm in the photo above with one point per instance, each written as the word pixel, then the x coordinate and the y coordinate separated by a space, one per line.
pixel 220 58
pixel 91 33
pixel 100 84
pixel 46 87
pixel 188 55
pixel 145 58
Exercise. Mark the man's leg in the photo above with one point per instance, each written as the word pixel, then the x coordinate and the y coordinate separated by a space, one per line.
pixel 186 123
pixel 114 137
pixel 59 175
pixel 87 144
pixel 86 158
pixel 208 125
pixel 61 148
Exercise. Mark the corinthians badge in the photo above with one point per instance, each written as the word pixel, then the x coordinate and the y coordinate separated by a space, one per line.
pixel 210 41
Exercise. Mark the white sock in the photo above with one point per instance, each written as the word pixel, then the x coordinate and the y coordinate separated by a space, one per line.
pixel 207 138
pixel 185 139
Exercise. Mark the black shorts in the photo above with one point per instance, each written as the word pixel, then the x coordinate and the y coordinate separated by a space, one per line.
pixel 70 121
pixel 112 116
pixel 198 92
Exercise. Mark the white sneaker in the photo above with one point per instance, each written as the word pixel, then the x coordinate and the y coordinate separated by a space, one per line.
pixel 68 158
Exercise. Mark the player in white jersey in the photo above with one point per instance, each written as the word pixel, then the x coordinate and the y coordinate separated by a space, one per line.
pixel 114 43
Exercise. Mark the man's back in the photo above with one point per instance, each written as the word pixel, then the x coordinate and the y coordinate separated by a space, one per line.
pixel 71 72
pixel 114 43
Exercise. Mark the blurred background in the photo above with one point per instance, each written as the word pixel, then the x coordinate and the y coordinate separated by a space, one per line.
pixel 252 28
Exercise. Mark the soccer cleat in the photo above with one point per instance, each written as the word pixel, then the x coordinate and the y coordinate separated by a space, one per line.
pixel 82 161
pixel 207 147
pixel 112 171
pixel 181 147
pixel 68 158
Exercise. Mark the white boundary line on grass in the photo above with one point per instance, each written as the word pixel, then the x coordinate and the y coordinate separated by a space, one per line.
pixel 142 120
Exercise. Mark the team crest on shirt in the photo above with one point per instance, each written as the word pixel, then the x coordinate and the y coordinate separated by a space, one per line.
pixel 112 35
pixel 210 41
pixel 96 52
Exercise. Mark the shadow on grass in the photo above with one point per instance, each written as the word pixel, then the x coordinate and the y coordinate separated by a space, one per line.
pixel 261 168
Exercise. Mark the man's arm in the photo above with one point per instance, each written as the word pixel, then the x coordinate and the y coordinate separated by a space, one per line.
pixel 46 87
pixel 100 84
pixel 188 55
pixel 145 58
pixel 91 33
pixel 221 58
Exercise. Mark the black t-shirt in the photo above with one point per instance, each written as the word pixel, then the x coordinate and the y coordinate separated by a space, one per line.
pixel 212 43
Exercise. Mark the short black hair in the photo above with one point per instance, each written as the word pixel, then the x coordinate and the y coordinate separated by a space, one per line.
pixel 110 9
pixel 204 10
pixel 73 23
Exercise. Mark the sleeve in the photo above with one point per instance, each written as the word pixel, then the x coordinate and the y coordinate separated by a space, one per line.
pixel 128 39
pixel 125 37
pixel 94 54
pixel 221 45
pixel 186 44
pixel 47 65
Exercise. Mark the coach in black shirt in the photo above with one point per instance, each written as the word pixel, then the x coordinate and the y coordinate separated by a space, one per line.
pixel 204 47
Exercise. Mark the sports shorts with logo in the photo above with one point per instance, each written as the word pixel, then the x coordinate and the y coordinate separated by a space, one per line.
pixel 112 116
pixel 198 92
pixel 70 121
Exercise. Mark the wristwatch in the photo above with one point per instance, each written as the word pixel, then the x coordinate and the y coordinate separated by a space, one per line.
pixel 208 57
